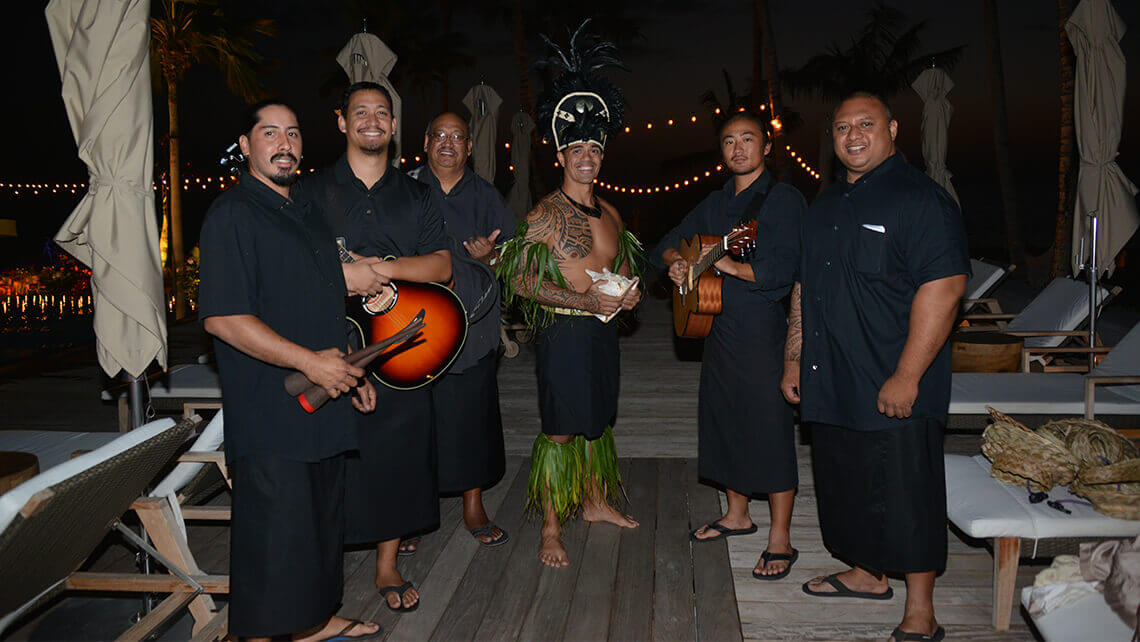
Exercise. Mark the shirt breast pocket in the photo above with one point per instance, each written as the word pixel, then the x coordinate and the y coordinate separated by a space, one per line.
pixel 870 247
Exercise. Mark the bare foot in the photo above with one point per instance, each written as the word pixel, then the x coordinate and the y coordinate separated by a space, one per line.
pixel 393 578
pixel 336 626
pixel 552 553
pixel 603 512
pixel 854 579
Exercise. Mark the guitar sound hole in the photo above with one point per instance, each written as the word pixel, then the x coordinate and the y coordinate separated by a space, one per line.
pixel 382 302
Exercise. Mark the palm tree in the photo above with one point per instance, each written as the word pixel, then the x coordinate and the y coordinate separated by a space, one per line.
pixel 1013 240
pixel 881 58
pixel 185 33
pixel 764 55
pixel 1066 177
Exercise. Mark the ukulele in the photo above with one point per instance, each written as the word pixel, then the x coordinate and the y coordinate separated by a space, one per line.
pixel 417 361
pixel 698 299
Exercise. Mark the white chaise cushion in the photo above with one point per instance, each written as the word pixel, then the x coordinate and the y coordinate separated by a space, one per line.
pixel 12 501
pixel 1035 393
pixel 1062 305
pixel 984 507
pixel 1089 620
pixel 208 441
pixel 53 447
pixel 192 381
pixel 984 276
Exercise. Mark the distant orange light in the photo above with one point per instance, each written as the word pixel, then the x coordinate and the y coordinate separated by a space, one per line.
pixel 776 124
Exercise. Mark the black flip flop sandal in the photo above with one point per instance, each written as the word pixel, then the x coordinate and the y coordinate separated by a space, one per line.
pixel 344 637
pixel 900 635
pixel 486 529
pixel 842 590
pixel 722 532
pixel 402 553
pixel 398 590
pixel 767 557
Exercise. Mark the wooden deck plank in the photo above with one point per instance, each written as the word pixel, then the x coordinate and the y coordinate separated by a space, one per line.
pixel 632 615
pixel 592 599
pixel 515 589
pixel 673 580
pixel 476 589
pixel 713 585
pixel 437 589
pixel 550 608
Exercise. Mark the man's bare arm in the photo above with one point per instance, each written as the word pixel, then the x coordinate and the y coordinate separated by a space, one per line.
pixel 793 348
pixel 932 315
pixel 426 268
pixel 252 336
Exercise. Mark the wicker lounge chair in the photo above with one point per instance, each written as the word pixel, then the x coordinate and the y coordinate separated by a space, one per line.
pixel 50 524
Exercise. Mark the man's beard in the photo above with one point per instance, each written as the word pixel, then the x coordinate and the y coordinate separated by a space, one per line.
pixel 379 148
pixel 282 177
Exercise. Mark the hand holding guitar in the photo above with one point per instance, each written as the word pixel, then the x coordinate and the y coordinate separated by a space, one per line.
pixel 328 369
pixel 361 279
pixel 678 270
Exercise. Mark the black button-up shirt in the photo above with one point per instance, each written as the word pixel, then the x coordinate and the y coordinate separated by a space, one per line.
pixel 396 217
pixel 867 248
pixel 275 259
pixel 472 208
pixel 776 259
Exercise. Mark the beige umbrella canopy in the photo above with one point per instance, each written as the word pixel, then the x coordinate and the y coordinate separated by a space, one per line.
pixel 1095 30
pixel 367 58
pixel 932 85
pixel 518 199
pixel 101 47
pixel 483 103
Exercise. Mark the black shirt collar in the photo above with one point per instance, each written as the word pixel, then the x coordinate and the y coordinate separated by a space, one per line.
pixel 894 161
pixel 761 184
pixel 263 194
pixel 432 180
pixel 345 176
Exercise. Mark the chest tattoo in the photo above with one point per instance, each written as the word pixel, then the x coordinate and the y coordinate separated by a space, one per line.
pixel 569 229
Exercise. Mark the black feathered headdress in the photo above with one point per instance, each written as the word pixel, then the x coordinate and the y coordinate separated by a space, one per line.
pixel 580 106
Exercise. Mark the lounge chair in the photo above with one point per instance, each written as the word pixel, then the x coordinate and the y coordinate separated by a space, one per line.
pixel 184 388
pixel 51 523
pixel 1054 316
pixel 1041 396
pixel 984 280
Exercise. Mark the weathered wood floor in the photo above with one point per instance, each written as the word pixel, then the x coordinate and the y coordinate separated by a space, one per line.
pixel 642 584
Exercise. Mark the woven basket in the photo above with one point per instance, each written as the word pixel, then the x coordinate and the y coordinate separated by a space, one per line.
pixel 1021 456
pixel 1115 500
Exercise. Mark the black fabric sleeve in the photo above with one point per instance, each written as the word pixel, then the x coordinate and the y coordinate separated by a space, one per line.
pixel 694 223
pixel 228 278
pixel 501 217
pixel 934 243
pixel 776 261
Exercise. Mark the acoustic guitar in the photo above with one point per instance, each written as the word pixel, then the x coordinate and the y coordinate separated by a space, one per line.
pixel 698 300
pixel 417 361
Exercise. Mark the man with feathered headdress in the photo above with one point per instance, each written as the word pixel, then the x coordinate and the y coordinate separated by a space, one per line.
pixel 555 271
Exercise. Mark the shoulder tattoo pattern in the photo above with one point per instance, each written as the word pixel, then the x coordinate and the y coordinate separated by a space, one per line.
pixel 565 228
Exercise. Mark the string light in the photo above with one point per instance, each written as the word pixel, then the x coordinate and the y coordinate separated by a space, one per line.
pixel 657 189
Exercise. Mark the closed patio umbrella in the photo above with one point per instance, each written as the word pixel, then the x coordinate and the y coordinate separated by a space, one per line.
pixel 1095 30
pixel 367 58
pixel 101 47
pixel 483 103
pixel 519 199
pixel 932 85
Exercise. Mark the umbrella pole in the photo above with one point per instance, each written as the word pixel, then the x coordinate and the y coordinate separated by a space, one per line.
pixel 1092 290
pixel 138 417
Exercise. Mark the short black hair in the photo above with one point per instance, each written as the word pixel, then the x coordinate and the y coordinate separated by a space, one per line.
pixel 864 94
pixel 364 85
pixel 761 122
pixel 252 114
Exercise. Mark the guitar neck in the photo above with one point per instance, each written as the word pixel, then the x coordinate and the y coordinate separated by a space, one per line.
pixel 345 255
pixel 713 256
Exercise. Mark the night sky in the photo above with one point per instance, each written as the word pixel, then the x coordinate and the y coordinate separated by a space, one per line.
pixel 682 49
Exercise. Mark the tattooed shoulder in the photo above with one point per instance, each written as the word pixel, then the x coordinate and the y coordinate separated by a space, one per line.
pixel 562 227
